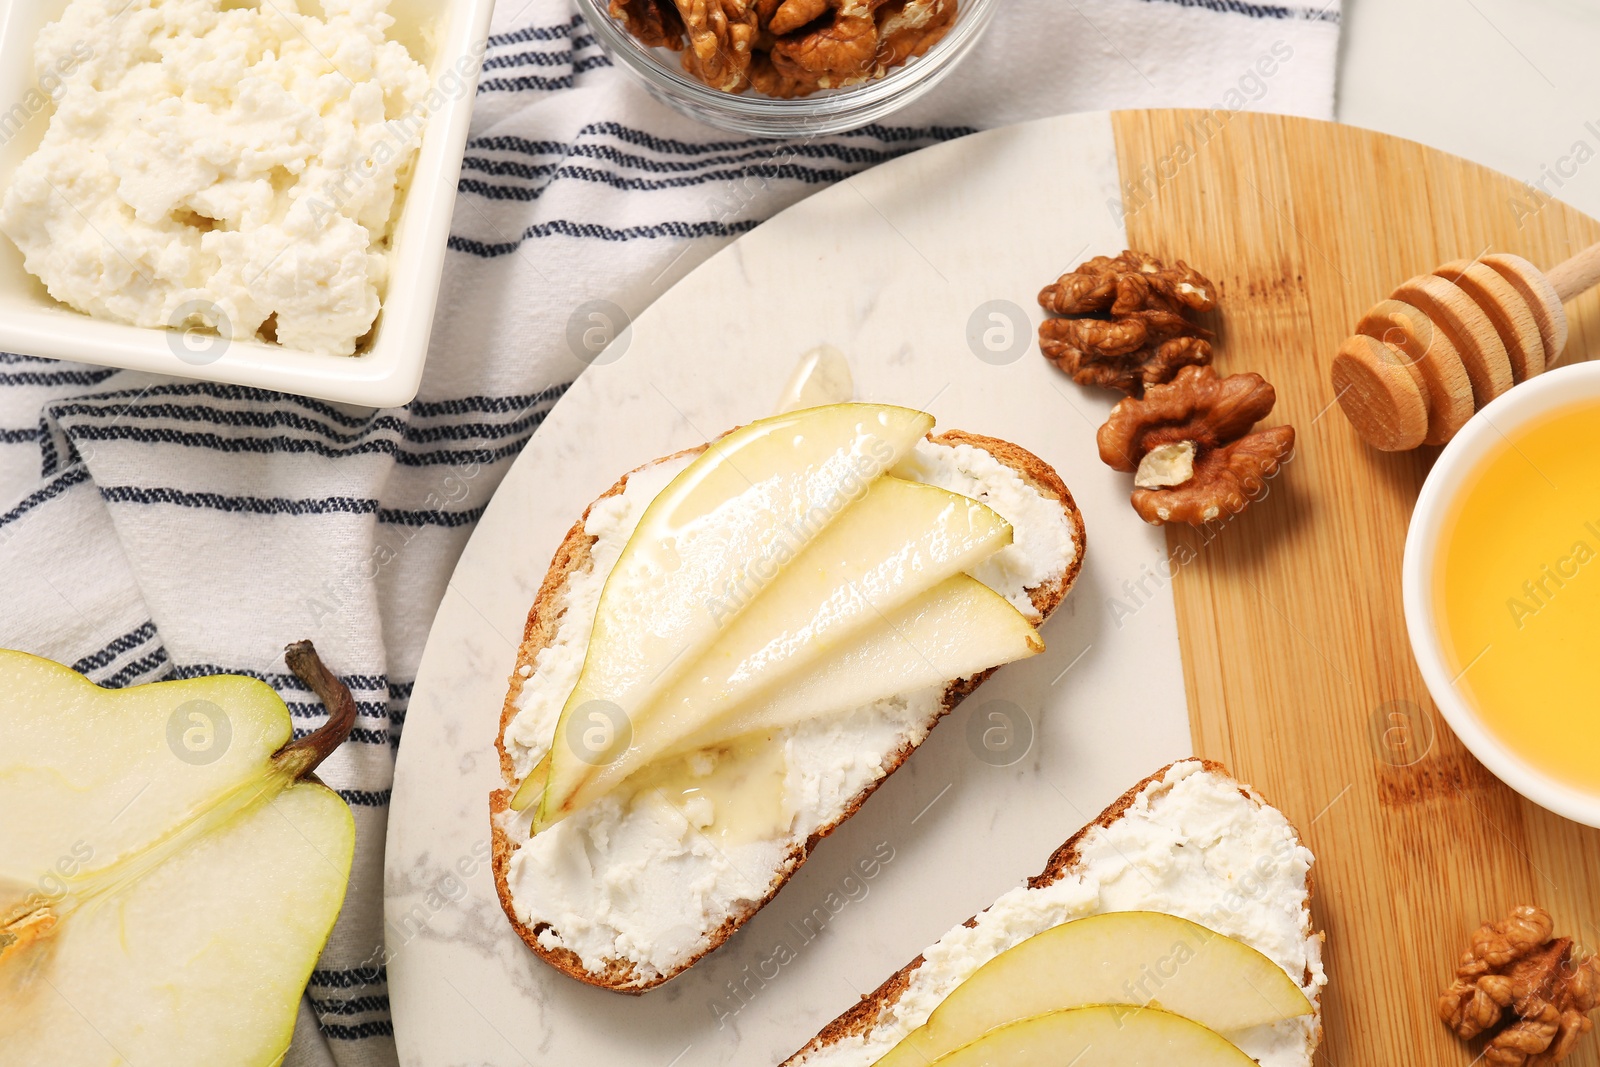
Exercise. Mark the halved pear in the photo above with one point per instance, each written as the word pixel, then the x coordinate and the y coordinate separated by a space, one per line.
pixel 900 540
pixel 169 869
pixel 1132 958
pixel 1099 1036
pixel 708 544
pixel 955 630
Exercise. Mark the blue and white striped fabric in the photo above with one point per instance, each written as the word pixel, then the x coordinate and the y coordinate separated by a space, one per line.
pixel 156 528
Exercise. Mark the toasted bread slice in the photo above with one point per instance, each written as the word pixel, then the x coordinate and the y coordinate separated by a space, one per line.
pixel 1251 882
pixel 616 970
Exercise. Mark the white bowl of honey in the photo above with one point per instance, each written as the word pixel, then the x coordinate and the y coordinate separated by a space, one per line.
pixel 1502 588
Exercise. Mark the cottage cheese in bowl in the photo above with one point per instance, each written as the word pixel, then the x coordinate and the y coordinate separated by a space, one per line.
pixel 221 164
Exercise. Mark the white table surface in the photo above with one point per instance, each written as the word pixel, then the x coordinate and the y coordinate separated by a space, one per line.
pixel 1513 84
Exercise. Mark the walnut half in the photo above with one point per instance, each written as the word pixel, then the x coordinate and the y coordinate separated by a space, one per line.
pixel 1126 325
pixel 1523 987
pixel 1191 445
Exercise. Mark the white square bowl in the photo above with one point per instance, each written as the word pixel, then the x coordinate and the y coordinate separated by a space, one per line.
pixel 448 37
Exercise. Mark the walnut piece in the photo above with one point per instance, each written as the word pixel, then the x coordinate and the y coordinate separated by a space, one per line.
pixel 1516 966
pixel 837 52
pixel 722 35
pixel 788 48
pixel 1210 417
pixel 1125 325
pixel 908 28
pixel 1165 466
pixel 655 23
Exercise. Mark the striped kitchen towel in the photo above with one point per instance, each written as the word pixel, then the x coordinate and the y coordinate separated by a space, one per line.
pixel 157 528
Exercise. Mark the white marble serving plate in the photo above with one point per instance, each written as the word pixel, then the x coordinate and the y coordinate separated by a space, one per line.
pixel 889 267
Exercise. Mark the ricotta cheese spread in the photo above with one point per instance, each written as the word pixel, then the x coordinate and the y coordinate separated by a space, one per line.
pixel 221 165
pixel 1191 845
pixel 643 882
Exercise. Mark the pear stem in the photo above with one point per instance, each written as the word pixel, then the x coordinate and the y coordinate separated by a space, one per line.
pixel 305 755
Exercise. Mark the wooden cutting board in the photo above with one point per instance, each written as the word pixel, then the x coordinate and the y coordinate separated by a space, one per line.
pixel 1299 673
pixel 1296 669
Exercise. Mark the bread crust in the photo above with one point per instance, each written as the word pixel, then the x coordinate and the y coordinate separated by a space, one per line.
pixel 861 1017
pixel 574 556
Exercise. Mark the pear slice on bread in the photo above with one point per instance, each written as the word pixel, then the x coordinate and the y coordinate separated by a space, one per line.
pixel 723 531
pixel 1190 842
pixel 898 541
pixel 626 891
pixel 1099 1035
pixel 1123 959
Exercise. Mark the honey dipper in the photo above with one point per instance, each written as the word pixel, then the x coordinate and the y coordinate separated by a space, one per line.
pixel 1445 344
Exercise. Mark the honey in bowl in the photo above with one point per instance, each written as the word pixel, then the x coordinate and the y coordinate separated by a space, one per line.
pixel 1517 594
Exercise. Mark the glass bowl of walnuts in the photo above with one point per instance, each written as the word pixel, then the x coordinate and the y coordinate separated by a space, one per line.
pixel 784 68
